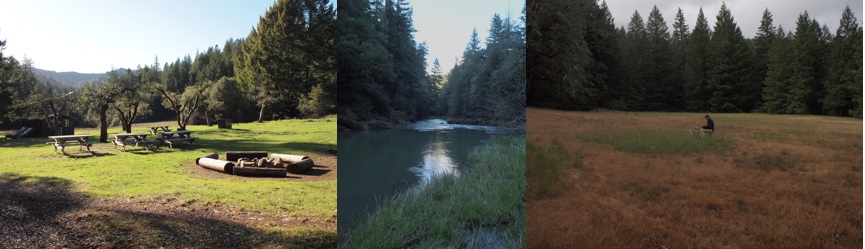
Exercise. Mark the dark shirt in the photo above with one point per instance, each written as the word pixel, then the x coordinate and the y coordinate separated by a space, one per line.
pixel 710 125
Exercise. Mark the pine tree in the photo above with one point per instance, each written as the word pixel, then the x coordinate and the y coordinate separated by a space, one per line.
pixel 557 76
pixel 762 43
pixel 634 51
pixel 363 63
pixel 843 86
pixel 729 74
pixel 777 85
pixel 679 45
pixel 663 90
pixel 436 77
pixel 697 66
pixel 804 81
pixel 602 41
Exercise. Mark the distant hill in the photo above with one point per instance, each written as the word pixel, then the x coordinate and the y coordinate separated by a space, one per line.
pixel 75 79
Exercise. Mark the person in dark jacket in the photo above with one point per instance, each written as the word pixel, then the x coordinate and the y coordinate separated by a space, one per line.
pixel 710 125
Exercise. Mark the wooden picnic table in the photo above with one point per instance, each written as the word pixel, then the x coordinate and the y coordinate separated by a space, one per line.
pixel 137 138
pixel 61 141
pixel 182 135
pixel 155 129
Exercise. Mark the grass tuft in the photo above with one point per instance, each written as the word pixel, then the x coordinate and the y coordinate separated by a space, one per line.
pixel 656 142
pixel 545 166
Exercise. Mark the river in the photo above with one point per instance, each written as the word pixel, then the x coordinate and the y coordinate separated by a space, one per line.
pixel 376 164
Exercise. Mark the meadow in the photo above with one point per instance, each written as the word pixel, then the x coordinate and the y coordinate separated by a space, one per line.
pixel 639 180
pixel 143 198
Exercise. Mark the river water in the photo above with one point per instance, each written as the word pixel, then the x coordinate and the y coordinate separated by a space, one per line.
pixel 377 164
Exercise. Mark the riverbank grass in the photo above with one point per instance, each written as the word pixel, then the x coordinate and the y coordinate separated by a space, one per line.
pixel 484 206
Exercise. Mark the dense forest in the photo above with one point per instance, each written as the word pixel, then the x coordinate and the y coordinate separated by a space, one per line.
pixel 285 68
pixel 581 61
pixel 383 79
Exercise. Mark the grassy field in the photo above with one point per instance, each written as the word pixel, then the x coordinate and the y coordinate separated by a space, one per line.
pixel 620 180
pixel 146 180
pixel 482 208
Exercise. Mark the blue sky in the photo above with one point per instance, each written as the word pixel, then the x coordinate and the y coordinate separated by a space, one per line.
pixel 446 25
pixel 93 36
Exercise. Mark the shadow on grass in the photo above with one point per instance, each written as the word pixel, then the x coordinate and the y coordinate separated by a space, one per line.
pixel 304 146
pixel 87 155
pixel 43 212
pixel 286 148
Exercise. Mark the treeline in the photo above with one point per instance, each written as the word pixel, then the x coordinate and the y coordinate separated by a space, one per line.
pixel 489 83
pixel 383 78
pixel 284 68
pixel 382 69
pixel 582 61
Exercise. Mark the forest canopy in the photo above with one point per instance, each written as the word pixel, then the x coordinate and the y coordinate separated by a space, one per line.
pixel 383 78
pixel 581 61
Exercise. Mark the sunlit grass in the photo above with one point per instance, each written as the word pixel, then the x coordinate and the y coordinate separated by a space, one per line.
pixel 142 174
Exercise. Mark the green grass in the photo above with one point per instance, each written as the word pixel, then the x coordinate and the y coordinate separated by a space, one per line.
pixel 152 176
pixel 449 212
pixel 656 142
pixel 547 164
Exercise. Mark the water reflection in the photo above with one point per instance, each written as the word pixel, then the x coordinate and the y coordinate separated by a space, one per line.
pixel 436 160
pixel 377 164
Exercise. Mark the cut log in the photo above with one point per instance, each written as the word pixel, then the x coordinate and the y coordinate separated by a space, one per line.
pixel 260 171
pixel 289 158
pixel 294 164
pixel 212 155
pixel 300 167
pixel 234 155
pixel 216 164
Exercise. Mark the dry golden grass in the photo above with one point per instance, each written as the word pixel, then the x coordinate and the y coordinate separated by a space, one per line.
pixel 779 181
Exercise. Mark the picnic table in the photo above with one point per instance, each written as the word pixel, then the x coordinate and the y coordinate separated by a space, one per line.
pixel 182 135
pixel 155 129
pixel 61 141
pixel 137 138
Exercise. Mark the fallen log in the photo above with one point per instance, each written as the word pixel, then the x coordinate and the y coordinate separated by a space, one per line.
pixel 216 164
pixel 212 155
pixel 289 158
pixel 234 155
pixel 293 163
pixel 260 171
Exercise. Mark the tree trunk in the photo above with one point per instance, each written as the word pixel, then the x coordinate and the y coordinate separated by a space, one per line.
pixel 207 118
pixel 127 127
pixel 261 113
pixel 180 125
pixel 103 123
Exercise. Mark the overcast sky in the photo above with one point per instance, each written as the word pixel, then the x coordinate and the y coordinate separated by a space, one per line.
pixel 747 14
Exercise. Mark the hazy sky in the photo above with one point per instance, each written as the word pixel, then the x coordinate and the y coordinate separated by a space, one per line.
pixel 747 14
pixel 446 25
pixel 92 36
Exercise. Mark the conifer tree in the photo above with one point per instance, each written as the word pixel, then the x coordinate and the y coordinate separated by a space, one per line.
pixel 730 69
pixel 844 83
pixel 697 66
